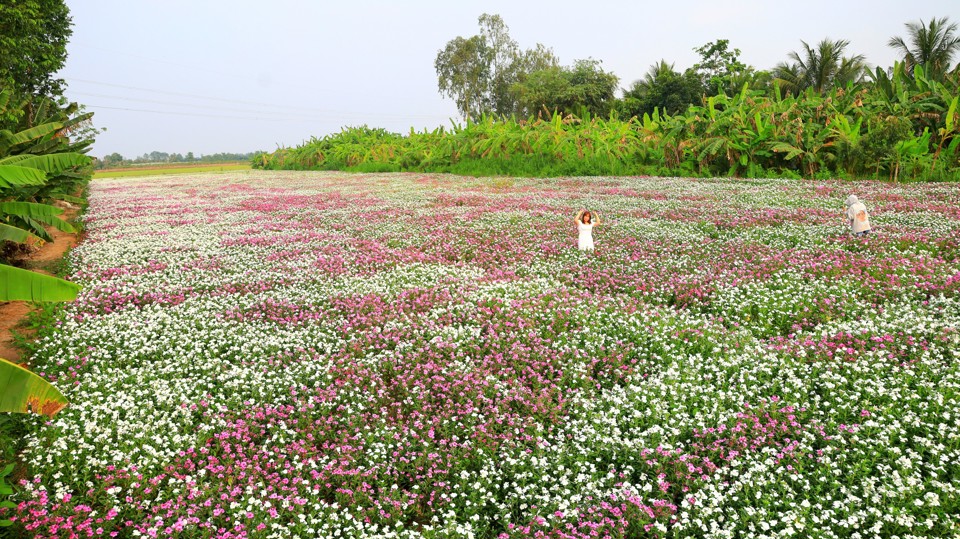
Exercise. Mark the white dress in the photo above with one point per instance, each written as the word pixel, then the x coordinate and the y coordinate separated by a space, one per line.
pixel 585 242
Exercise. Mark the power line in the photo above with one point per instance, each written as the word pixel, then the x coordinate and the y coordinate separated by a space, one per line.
pixel 256 103
pixel 191 105
pixel 201 115
pixel 169 62
pixel 181 94
pixel 188 114
pixel 289 115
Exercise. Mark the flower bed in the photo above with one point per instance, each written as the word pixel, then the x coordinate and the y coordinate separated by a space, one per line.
pixel 326 354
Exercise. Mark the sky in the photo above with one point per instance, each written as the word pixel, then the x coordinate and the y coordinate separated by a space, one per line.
pixel 209 76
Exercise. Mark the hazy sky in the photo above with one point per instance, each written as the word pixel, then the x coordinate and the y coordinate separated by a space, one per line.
pixel 213 76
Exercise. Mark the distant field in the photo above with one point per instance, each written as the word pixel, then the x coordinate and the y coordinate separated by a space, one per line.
pixel 170 169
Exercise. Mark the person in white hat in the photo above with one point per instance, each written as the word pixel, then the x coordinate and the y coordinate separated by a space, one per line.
pixel 857 216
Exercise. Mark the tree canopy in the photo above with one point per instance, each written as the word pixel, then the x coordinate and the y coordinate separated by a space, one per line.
pixel 479 72
pixel 582 88
pixel 33 46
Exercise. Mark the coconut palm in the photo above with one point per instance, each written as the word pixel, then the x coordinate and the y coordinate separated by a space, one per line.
pixel 932 46
pixel 821 67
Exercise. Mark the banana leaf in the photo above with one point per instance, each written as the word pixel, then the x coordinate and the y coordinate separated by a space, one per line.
pixel 21 285
pixel 14 234
pixel 22 391
pixel 15 176
pixel 52 163
pixel 33 227
pixel 77 120
pixel 47 146
pixel 31 134
pixel 68 198
pixel 43 213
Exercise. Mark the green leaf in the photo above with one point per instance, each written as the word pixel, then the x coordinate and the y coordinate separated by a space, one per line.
pixel 22 391
pixel 21 285
pixel 792 151
pixel 15 176
pixel 14 234
pixel 55 162
pixel 950 113
pixel 43 213
pixel 33 133
pixel 711 147
pixel 34 226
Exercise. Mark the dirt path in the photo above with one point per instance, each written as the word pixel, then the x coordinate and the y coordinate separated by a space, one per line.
pixel 11 313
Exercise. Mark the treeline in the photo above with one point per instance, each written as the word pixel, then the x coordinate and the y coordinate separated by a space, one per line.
pixel 117 160
pixel 820 114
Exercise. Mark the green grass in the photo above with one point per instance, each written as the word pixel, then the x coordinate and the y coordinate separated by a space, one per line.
pixel 172 169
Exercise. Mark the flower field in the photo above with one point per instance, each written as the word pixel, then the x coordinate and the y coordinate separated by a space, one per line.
pixel 294 354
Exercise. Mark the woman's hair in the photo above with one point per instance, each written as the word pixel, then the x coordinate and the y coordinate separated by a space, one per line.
pixel 586 215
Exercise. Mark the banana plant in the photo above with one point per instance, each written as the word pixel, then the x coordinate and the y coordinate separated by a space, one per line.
pixel 847 135
pixel 948 134
pixel 22 391
pixel 907 151
pixel 43 140
pixel 31 217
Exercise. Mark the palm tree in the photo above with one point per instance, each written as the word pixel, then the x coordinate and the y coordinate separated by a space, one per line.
pixel 820 68
pixel 656 71
pixel 662 88
pixel 932 46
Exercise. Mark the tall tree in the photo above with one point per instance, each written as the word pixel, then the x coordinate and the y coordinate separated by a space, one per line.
pixel 931 46
pixel 718 66
pixel 503 53
pixel 721 71
pixel 821 67
pixel 33 46
pixel 463 73
pixel 479 72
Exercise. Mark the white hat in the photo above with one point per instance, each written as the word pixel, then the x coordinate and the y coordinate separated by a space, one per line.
pixel 852 199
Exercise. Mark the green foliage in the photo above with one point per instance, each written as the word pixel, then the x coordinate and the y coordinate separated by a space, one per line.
pixel 33 46
pixel 721 71
pixel 820 68
pixel 38 163
pixel 816 116
pixel 906 128
pixel 662 89
pixel 582 90
pixel 5 492
pixel 42 154
pixel 22 285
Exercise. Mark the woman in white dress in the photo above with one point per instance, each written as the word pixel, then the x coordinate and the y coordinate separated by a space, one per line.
pixel 585 223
